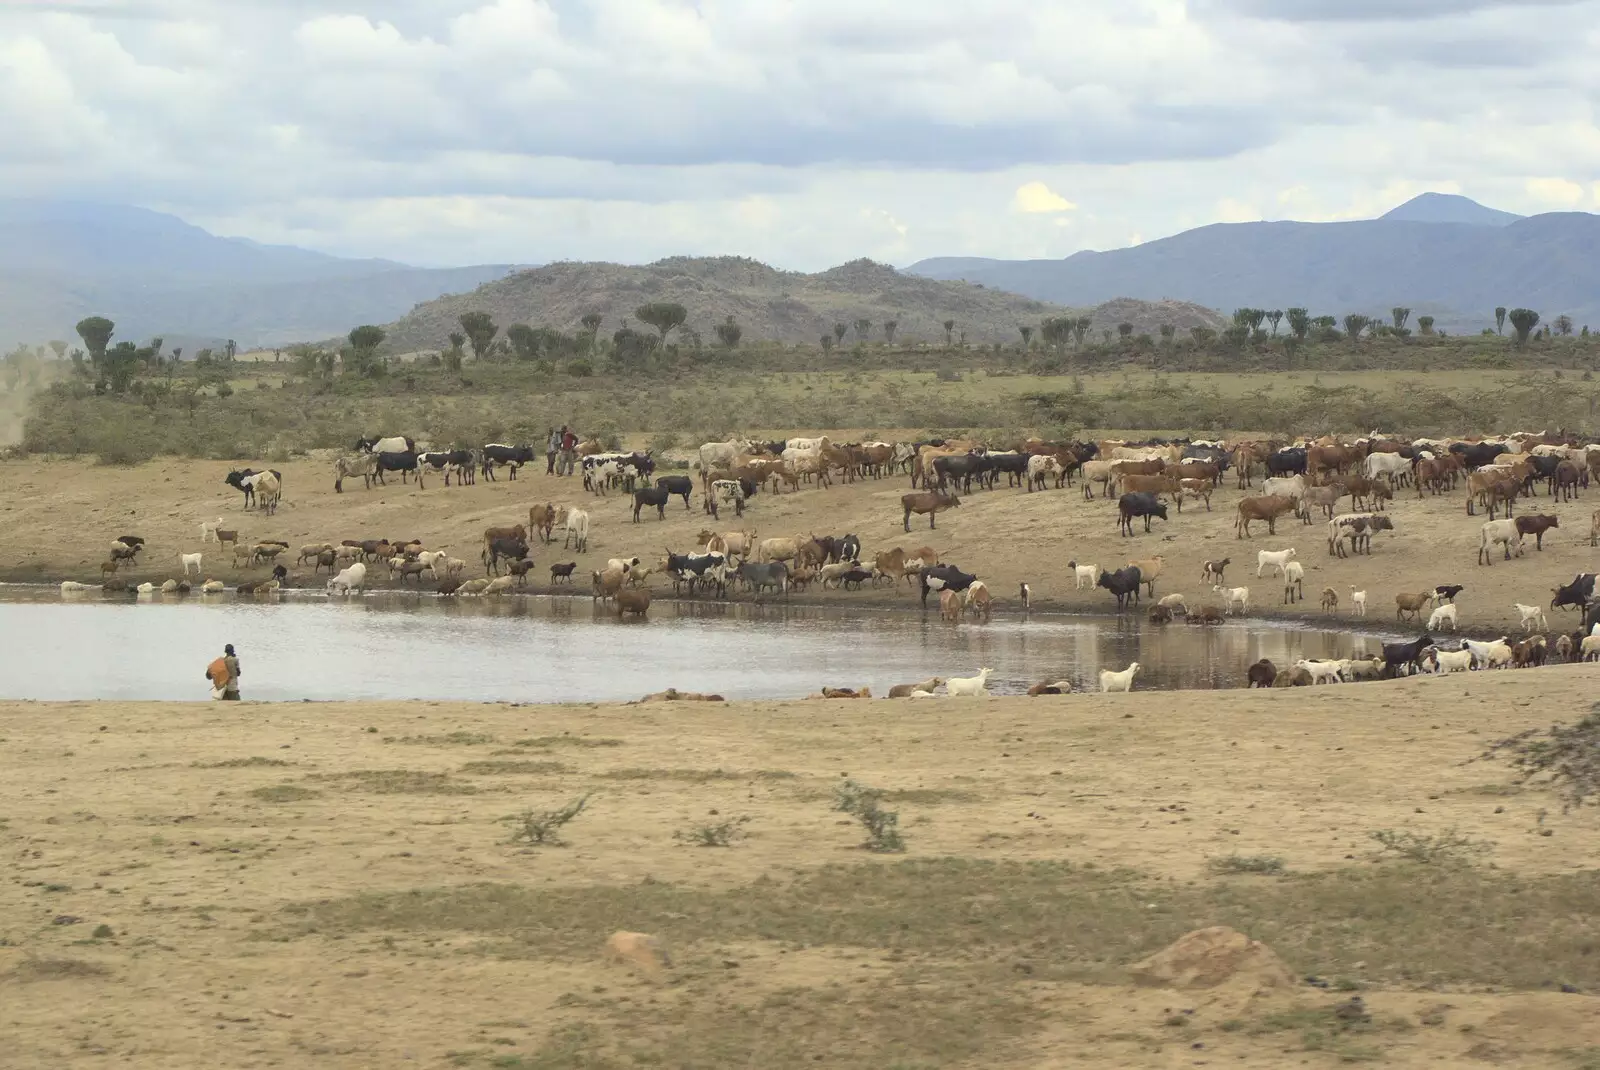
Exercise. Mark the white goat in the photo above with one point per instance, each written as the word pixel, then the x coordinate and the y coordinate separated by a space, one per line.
pixel 1489 655
pixel 190 559
pixel 1118 681
pixel 1532 616
pixel 1276 558
pixel 1445 614
pixel 1321 671
pixel 1449 661
pixel 1294 582
pixel 208 529
pixel 1358 599
pixel 1234 597
pixel 969 685
pixel 1085 575
pixel 1589 649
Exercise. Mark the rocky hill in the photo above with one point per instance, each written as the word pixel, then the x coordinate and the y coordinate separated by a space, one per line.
pixel 768 304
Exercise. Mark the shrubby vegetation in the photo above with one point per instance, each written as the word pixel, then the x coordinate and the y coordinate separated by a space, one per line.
pixel 125 403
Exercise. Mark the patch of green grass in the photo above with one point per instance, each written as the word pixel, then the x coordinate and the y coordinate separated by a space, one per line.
pixel 458 739
pixel 283 793
pixel 398 782
pixel 1268 864
pixel 1401 924
pixel 242 763
pixel 694 776
pixel 514 768
pixel 1344 1031
pixel 565 740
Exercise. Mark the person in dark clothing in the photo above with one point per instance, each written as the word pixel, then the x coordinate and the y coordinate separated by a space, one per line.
pixel 552 447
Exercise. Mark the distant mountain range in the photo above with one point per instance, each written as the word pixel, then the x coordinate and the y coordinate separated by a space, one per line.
pixel 1438 254
pixel 154 274
pixel 768 304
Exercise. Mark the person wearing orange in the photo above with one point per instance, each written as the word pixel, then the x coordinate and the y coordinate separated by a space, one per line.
pixel 224 675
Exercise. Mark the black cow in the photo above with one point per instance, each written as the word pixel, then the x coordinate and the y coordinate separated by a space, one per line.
pixel 404 463
pixel 496 453
pixel 511 549
pixel 962 467
pixel 761 576
pixel 1014 465
pixel 680 485
pixel 1408 655
pixel 1124 583
pixel 1591 617
pixel 656 496
pixel 1477 454
pixel 242 479
pixel 1542 467
pixel 1287 462
pixel 695 569
pixel 849 549
pixel 943 578
pixel 1139 503
pixel 1575 594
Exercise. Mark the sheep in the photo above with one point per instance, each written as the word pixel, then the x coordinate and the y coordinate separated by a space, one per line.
pixel 1362 668
pixel 476 586
pixel 1589 649
pixel 1175 603
pixel 1445 614
pixel 72 586
pixel 212 587
pixel 1411 604
pixel 635 602
pixel 904 690
pixel 1084 575
pixel 1358 601
pixel 208 529
pixel 1026 594
pixel 1276 558
pixel 1531 616
pixel 1149 570
pixel 969 685
pixel 1234 597
pixel 834 574
pixel 1294 582
pixel 1211 571
pixel 617 564
pixel 1118 681
pixel 1502 533
pixel 1330 600
pixel 1261 674
pixel 1564 647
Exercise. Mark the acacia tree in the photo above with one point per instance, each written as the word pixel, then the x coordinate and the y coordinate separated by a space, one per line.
pixel 1500 320
pixel 1273 317
pixel 96 332
pixel 949 329
pixel 863 329
pixel 889 327
pixel 1056 331
pixel 1354 324
pixel 1563 324
pixel 480 330
pixel 664 316
pixel 729 333
pixel 1523 321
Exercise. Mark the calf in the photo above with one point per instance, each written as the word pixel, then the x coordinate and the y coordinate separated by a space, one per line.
pixel 679 485
pixel 1536 524
pixel 930 503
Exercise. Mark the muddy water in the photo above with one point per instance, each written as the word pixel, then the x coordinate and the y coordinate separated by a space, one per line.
pixel 569 650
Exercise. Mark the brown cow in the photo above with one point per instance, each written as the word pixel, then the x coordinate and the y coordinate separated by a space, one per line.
pixel 928 502
pixel 1268 507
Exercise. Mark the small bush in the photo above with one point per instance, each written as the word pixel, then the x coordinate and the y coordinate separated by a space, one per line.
pixel 541 828
pixel 1447 847
pixel 1271 864
pixel 862 803
pixel 721 834
pixel 1564 759
pixel 281 793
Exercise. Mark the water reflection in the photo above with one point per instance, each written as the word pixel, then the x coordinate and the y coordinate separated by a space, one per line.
pixel 538 649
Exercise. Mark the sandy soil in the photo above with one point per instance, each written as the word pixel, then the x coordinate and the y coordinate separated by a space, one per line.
pixel 233 852
pixel 57 517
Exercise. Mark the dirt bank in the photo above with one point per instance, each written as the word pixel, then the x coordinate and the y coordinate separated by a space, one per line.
pixel 283 884
pixel 57 517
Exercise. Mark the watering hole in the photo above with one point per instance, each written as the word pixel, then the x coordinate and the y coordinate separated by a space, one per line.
pixel 557 649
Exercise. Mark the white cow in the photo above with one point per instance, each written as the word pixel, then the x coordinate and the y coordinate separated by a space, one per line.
pixel 1390 466
pixel 577 530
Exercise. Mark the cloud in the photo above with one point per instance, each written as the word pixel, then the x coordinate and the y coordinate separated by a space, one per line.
pixel 1037 197
pixel 443 131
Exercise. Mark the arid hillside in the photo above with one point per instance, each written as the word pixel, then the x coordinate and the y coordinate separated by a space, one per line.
pixel 768 304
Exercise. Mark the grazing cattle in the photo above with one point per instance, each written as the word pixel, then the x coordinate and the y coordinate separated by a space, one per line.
pixel 773 574
pixel 943 578
pixel 462 463
pixel 392 444
pixel 1268 507
pixel 682 486
pixel 651 496
pixel 715 455
pixel 542 520
pixel 726 491
pixel 1477 454
pixel 1536 524
pixel 1287 462
pixel 1043 468
pixel 577 535
pixel 364 465
pixel 1502 533
pixel 498 453
pixel 1575 594
pixel 978 599
pixel 1138 504
pixel 1261 674
pixel 1405 655
pixel 927 502
pixel 1123 583
pixel 404 463
pixel 949 606
pixel 1358 528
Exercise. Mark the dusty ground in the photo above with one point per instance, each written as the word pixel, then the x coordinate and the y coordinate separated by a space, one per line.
pixel 57 517
pixel 333 885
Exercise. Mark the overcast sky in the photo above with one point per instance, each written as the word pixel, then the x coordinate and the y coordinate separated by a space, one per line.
pixel 800 132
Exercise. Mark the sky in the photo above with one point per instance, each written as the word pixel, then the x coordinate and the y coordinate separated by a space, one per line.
pixel 803 133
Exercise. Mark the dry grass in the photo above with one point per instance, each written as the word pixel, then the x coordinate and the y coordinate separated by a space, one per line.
pixel 397 782
pixel 514 768
pixel 283 793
